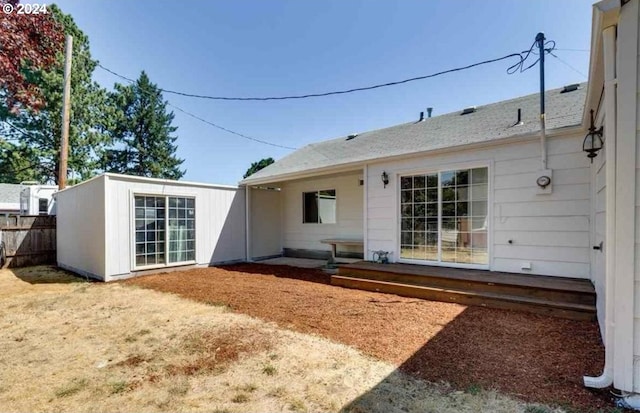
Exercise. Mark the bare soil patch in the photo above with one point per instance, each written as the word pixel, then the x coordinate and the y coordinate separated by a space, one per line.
pixel 535 358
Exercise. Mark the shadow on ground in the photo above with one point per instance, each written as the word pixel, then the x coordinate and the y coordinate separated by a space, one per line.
pixel 513 353
pixel 282 271
pixel 46 274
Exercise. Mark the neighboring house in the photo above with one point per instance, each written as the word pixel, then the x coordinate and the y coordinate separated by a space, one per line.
pixel 9 199
pixel 27 199
pixel 114 226
pixel 38 199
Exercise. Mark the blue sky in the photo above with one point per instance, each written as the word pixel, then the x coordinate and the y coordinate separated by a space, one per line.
pixel 271 48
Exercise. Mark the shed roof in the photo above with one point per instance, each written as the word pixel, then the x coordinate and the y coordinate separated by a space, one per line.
pixel 487 123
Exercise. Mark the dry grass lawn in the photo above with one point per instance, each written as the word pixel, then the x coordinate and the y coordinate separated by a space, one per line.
pixel 71 345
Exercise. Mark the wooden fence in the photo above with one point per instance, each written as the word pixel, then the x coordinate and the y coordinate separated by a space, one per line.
pixel 29 240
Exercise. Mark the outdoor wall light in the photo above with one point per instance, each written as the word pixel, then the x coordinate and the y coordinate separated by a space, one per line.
pixel 385 178
pixel 593 141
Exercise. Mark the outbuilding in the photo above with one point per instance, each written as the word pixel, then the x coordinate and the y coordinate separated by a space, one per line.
pixel 117 226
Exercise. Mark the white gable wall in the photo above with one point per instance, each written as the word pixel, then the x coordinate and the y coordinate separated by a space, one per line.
pixel 550 231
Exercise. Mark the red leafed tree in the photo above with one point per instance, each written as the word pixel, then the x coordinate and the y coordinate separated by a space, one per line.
pixel 28 42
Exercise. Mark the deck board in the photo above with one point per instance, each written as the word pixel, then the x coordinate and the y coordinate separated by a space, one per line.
pixel 481 276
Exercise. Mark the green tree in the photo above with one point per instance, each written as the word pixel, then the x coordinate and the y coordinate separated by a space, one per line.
pixel 16 162
pixel 41 130
pixel 142 131
pixel 256 166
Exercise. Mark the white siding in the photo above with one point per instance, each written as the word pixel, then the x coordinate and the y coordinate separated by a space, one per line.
pixel 551 231
pixel 266 223
pixel 349 221
pixel 599 208
pixel 81 228
pixel 220 221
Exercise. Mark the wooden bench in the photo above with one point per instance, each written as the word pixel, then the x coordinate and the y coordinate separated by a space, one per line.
pixel 334 242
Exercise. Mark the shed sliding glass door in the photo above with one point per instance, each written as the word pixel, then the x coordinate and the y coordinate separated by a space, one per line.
pixel 444 217
pixel 164 230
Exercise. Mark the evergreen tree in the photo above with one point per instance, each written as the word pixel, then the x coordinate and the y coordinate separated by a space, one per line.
pixel 144 144
pixel 256 166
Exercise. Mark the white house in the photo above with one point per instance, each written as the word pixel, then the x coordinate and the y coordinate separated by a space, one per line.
pixel 481 189
pixel 27 199
pixel 114 226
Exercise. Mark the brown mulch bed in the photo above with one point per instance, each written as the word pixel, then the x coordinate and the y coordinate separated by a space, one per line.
pixel 535 358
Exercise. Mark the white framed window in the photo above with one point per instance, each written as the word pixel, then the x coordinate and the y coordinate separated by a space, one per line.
pixel 444 217
pixel 165 230
pixel 319 207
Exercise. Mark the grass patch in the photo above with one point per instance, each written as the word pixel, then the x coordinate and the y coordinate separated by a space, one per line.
pixel 71 388
pixel 278 392
pixel 474 389
pixel 240 398
pixel 297 405
pixel 179 388
pixel 269 370
pixel 534 408
pixel 132 361
pixel 249 388
pixel 116 387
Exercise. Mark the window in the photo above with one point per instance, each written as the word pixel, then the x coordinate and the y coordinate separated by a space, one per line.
pixel 444 216
pixel 43 206
pixel 319 207
pixel 164 230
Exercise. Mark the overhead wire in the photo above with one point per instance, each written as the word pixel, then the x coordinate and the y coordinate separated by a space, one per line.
pixel 208 122
pixel 516 67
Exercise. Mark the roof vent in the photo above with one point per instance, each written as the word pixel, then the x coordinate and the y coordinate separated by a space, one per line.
pixel 570 88
pixel 429 110
pixel 353 135
pixel 468 110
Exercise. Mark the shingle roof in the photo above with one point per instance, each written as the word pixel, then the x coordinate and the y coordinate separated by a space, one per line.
pixel 10 194
pixel 487 123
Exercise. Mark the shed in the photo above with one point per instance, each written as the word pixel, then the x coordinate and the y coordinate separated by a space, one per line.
pixel 118 226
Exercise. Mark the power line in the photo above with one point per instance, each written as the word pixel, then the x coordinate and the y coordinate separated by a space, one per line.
pixel 574 50
pixel 229 130
pixel 200 118
pixel 568 65
pixel 516 67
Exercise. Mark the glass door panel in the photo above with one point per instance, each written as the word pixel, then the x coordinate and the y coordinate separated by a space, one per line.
pixel 444 216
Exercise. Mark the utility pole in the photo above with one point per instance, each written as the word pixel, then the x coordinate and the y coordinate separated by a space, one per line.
pixel 66 99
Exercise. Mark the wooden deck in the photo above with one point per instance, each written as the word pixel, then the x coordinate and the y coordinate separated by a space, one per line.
pixel 557 296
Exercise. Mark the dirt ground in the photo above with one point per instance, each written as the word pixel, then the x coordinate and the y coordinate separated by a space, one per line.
pixel 534 358
pixel 74 346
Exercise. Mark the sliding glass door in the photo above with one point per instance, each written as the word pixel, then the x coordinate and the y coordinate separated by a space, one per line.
pixel 444 217
pixel 165 230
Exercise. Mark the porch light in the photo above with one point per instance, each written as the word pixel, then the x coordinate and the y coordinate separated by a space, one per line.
pixel 385 178
pixel 593 141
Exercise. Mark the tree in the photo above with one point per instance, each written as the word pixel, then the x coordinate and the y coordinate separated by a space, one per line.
pixel 40 130
pixel 29 43
pixel 15 163
pixel 143 133
pixel 256 166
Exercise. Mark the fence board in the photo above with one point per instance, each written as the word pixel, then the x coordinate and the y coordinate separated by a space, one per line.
pixel 29 240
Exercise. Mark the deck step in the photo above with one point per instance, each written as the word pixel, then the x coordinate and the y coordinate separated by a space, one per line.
pixel 554 289
pixel 476 297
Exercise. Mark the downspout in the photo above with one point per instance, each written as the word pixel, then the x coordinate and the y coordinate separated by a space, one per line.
pixel 610 96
